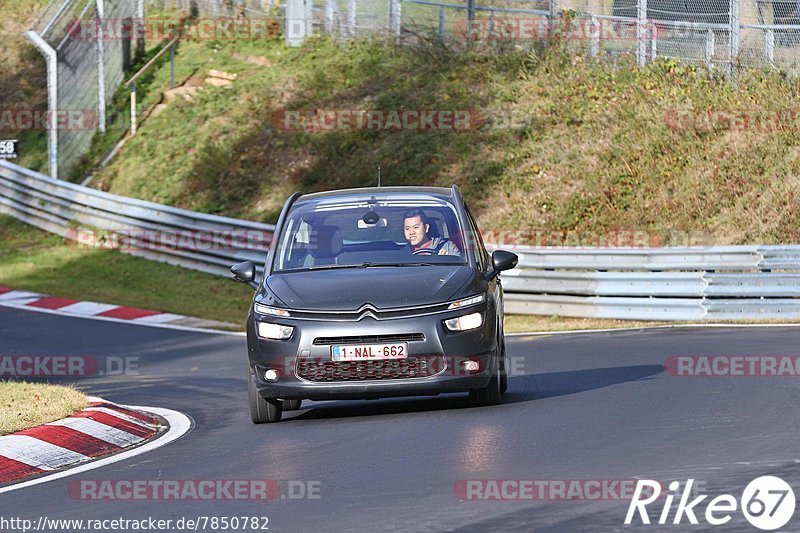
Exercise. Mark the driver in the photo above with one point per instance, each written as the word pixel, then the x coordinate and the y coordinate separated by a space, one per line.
pixel 416 228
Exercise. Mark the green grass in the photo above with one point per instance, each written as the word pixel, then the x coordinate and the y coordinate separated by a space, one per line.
pixel 25 405
pixel 31 259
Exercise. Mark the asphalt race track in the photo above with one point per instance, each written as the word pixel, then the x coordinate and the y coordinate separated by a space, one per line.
pixel 580 407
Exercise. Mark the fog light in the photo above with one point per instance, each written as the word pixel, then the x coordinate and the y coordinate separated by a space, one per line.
pixel 267 330
pixel 271 375
pixel 464 323
pixel 471 366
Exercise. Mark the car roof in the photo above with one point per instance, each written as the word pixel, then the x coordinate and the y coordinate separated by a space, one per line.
pixel 439 191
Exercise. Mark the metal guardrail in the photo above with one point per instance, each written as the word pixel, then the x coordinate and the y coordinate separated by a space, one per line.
pixel 694 283
pixel 687 284
pixel 199 241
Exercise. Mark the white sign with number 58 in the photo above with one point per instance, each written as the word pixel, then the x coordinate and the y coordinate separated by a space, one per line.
pixel 8 149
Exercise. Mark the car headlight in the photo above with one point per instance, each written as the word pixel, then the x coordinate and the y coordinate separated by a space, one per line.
pixel 275 311
pixel 472 300
pixel 277 332
pixel 465 323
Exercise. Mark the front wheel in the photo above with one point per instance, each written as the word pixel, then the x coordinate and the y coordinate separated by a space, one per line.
pixel 492 393
pixel 262 410
pixel 503 367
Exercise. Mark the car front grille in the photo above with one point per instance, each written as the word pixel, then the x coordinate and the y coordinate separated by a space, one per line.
pixel 381 370
pixel 370 339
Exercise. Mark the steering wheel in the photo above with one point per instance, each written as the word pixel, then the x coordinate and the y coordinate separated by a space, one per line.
pixel 425 251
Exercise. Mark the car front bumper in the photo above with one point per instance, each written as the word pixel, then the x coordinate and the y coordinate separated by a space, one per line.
pixel 450 349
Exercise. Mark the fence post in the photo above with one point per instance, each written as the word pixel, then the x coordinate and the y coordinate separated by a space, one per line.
pixel 101 67
pixel 641 36
pixel 653 41
pixel 172 66
pixel 52 97
pixel 351 18
pixel 308 13
pixel 733 16
pixel 552 18
pixel 329 15
pixel 769 47
pixel 471 11
pixel 441 24
pixel 710 45
pixel 595 48
pixel 395 12
pixel 139 16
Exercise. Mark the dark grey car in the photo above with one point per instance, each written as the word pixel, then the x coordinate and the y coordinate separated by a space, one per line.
pixel 375 292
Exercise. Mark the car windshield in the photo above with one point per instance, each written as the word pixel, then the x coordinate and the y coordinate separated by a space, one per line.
pixel 370 230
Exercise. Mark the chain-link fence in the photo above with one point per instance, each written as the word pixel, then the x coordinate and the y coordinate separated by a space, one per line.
pixel 90 46
pixel 713 33
pixel 85 66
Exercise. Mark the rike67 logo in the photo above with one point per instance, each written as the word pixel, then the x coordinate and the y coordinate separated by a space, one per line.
pixel 767 503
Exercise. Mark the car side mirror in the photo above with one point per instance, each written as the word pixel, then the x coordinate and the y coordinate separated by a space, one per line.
pixel 502 260
pixel 244 272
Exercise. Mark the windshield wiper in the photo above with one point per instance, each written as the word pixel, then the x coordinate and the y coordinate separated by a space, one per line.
pixel 367 264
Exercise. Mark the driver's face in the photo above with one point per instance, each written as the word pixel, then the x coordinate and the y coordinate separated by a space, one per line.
pixel 416 232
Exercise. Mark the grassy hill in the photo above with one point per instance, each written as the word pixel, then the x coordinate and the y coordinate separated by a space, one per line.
pixel 566 143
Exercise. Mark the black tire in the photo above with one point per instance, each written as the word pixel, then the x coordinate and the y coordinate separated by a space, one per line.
pixel 292 405
pixel 491 394
pixel 503 366
pixel 262 410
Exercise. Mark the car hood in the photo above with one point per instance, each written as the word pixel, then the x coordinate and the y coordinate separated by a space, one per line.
pixel 383 287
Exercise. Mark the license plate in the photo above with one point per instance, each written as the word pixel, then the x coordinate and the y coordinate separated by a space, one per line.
pixel 367 352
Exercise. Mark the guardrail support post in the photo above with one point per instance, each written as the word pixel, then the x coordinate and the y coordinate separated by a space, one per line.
pixel 101 67
pixel 769 47
pixel 52 97
pixel 641 35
